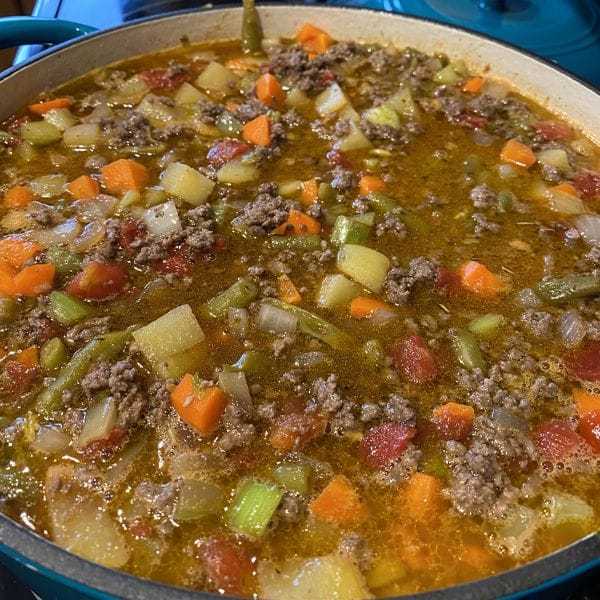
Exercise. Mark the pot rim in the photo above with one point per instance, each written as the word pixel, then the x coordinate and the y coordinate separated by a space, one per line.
pixel 37 553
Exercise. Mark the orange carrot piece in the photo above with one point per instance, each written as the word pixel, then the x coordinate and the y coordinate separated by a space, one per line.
pixel 310 192
pixel 313 39
pixel 201 409
pixel 84 187
pixel 18 196
pixel 17 252
pixel 29 357
pixel 473 85
pixel 34 280
pixel 586 402
pixel 287 291
pixel 269 91
pixel 40 108
pixel 258 131
pixel 365 306
pixel 422 497
pixel 566 188
pixel 517 153
pixel 453 420
pixel 7 279
pixel 479 280
pixel 124 175
pixel 339 503
pixel 370 183
pixel 298 223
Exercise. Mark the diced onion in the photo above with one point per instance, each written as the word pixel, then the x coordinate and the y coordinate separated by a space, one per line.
pixel 50 440
pixel 275 320
pixel 99 421
pixel 99 208
pixel 507 171
pixel 589 228
pixel 237 319
pixel 62 233
pixel 162 220
pixel 234 384
pixel 92 234
pixel 48 186
pixel 383 316
pixel 572 328
pixel 483 138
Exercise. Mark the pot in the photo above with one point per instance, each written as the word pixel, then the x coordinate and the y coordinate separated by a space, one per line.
pixel 51 571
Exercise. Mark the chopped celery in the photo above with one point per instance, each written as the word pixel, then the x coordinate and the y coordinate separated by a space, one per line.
pixel 487 325
pixel 104 347
pixel 295 242
pixel 373 353
pixel 217 78
pixel 65 262
pixel 48 186
pixel 253 507
pixel 198 500
pixel 402 102
pixel 365 265
pixel 355 140
pixel 226 123
pixel 314 325
pixel 450 74
pixel 53 354
pixel 25 151
pixel 67 310
pixel 252 362
pixel 294 477
pixel 153 196
pixel 467 349
pixel 570 287
pixel 237 295
pixel 385 570
pixel 129 198
pixel 348 230
pixel 336 290
pixel 40 133
pixel 85 135
pixel 561 508
pixel 297 99
pixel 62 118
pixel 8 308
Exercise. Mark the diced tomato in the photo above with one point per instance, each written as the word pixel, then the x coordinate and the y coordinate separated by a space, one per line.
pixel 220 243
pixel 164 79
pixel 17 378
pixel 108 445
pixel 227 565
pixel 140 528
pixel 224 151
pixel 556 440
pixel 473 121
pixel 180 262
pixel 447 281
pixel 338 158
pixel 584 362
pixel 414 359
pixel 385 443
pixel 587 183
pixel 589 428
pixel 327 77
pixel 554 130
pixel 131 230
pixel 98 281
pixel 296 430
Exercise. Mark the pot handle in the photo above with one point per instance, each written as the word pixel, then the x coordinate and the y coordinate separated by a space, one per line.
pixel 16 31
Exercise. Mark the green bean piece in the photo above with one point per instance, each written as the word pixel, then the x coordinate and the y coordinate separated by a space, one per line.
pixel 505 200
pixel 348 230
pixel 106 347
pixel 65 262
pixel 294 477
pixel 373 353
pixel 253 362
pixel 317 327
pixel 295 242
pixel 237 295
pixel 467 349
pixel 252 34
pixel 435 465
pixel 487 325
pixel 570 287
pixel 67 310
pixel 53 354
pixel 8 308
pixel 381 203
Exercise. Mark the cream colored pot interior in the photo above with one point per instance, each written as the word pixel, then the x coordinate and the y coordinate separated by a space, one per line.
pixel 558 92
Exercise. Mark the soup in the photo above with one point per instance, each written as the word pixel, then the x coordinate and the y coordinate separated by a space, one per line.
pixel 299 318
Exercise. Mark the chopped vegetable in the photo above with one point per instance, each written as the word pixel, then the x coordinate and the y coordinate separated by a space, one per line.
pixel 486 326
pixel 287 291
pixel 98 281
pixel 570 287
pixel 479 280
pixel 294 477
pixel 294 431
pixel 123 175
pixel 518 154
pixel 349 230
pixel 18 196
pixel 200 408
pixel 363 307
pixel 258 131
pixel 237 173
pixel 41 108
pixel 467 350
pixel 186 183
pixel 336 290
pixel 251 29
pixel 422 497
pixel 34 280
pixel 67 310
pixel 237 295
pixel 452 420
pixel 217 78
pixel 269 91
pixel 253 507
pixel 370 183
pixel 198 500
pixel 585 402
pixel 309 192
pixel 40 133
pixel 84 187
pixel 339 503
pixel 415 360
pixel 473 85
pixel 299 223
pixel 53 354
pixel 16 252
pixel 313 39
pixel 365 265
pixel 383 444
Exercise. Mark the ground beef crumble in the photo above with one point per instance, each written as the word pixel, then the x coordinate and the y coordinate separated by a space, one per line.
pixel 267 211
pixel 400 282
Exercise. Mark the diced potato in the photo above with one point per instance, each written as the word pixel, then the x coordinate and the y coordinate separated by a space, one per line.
pixel 48 186
pixel 156 111
pixel 337 290
pixel 355 140
pixel 174 332
pixel 188 94
pixel 217 78
pixel 130 91
pixel 333 577
pixel 197 500
pixel 566 204
pixel 402 102
pixel 516 530
pixel 365 265
pixel 383 115
pixel 331 100
pixel 180 363
pixel 61 118
pixel 555 157
pixel 40 133
pixel 85 135
pixel 561 508
pixel 186 183
pixel 237 172
pixel 25 151
pixel 296 98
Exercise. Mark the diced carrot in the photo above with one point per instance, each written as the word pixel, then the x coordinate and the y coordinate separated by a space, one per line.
pixel 298 223
pixel 370 183
pixel 18 196
pixel 295 430
pixel 339 503
pixel 84 187
pixel 258 131
pixel 288 292
pixel 17 252
pixel 473 85
pixel 29 357
pixel 40 108
pixel 566 188
pixel 479 280
pixel 517 153
pixel 310 192
pixel 269 91
pixel 123 175
pixel 586 402
pixel 313 39
pixel 422 497
pixel 201 409
pixel 452 420
pixel 7 279
pixel 365 306
pixel 34 280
